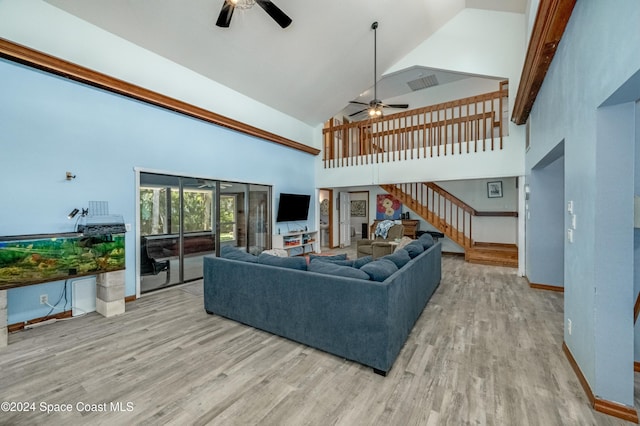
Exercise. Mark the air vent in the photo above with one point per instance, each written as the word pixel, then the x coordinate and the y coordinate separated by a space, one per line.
pixel 423 82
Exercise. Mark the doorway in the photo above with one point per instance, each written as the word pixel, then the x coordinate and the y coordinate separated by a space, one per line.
pixel 183 219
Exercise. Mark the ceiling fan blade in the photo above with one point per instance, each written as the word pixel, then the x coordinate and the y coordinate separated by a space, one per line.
pixel 224 19
pixel 401 106
pixel 359 103
pixel 279 16
pixel 359 112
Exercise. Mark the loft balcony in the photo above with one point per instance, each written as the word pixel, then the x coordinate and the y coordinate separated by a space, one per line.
pixel 458 139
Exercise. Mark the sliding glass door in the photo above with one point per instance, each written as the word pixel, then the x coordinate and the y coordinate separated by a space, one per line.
pixel 183 219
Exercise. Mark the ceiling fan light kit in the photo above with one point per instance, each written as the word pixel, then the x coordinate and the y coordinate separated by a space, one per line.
pixel 375 106
pixel 224 19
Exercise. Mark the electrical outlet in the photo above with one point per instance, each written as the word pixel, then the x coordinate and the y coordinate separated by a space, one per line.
pixel 44 299
pixel 569 326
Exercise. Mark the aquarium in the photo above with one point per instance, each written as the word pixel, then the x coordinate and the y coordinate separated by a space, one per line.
pixel 32 259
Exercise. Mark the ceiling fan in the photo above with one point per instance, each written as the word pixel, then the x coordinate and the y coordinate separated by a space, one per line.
pixel 224 19
pixel 375 106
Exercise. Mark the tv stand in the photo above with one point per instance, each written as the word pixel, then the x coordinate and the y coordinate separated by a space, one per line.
pixel 296 243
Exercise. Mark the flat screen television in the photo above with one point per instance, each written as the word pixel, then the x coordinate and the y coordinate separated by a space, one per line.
pixel 293 207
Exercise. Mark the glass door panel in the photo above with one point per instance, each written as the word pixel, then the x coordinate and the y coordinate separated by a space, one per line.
pixel 159 231
pixel 198 213
pixel 259 233
pixel 183 219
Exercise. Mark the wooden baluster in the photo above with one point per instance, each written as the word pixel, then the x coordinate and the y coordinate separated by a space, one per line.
pixel 492 118
pixel 446 128
pixel 484 129
pixel 459 129
pixel 431 132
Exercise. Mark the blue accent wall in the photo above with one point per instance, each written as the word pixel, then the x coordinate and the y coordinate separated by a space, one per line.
pixel 50 125
pixel 587 101
pixel 546 217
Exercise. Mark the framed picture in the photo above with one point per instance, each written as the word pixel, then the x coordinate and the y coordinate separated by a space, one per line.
pixel 359 208
pixel 388 207
pixel 494 189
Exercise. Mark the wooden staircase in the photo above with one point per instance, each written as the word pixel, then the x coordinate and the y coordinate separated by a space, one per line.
pixel 454 218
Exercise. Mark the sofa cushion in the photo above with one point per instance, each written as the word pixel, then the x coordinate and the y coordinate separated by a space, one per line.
pixel 399 257
pixel 414 248
pixel 331 268
pixel 361 261
pixel 426 240
pixel 342 256
pixel 380 269
pixel 230 252
pixel 296 262
pixel 345 262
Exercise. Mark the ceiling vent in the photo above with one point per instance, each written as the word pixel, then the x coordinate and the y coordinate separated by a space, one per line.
pixel 423 82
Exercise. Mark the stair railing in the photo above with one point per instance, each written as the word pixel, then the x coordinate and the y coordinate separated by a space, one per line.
pixel 443 210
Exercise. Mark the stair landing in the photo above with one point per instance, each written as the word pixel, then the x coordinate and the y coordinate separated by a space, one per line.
pixel 493 254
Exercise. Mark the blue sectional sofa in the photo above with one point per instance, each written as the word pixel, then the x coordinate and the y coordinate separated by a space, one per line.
pixel 352 317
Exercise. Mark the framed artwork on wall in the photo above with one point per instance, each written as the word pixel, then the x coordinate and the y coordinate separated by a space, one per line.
pixel 359 208
pixel 494 189
pixel 388 207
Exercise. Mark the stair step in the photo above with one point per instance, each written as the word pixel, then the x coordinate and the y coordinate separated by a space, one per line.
pixel 493 254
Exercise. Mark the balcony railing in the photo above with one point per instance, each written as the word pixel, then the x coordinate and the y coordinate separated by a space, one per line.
pixel 468 125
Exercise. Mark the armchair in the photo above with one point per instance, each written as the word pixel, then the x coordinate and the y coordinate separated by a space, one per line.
pixel 378 246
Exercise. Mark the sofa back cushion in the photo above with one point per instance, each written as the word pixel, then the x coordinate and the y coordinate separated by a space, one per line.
pixel 230 252
pixel 361 261
pixel 380 269
pixel 400 257
pixel 342 256
pixel 426 240
pixel 297 262
pixel 414 248
pixel 345 262
pixel 331 268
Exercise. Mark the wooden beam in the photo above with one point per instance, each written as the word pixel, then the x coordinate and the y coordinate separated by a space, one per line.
pixel 551 21
pixel 42 61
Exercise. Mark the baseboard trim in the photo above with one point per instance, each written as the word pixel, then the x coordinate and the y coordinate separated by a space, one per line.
pixel 547 287
pixel 544 286
pixel 21 325
pixel 453 253
pixel 130 299
pixel 602 405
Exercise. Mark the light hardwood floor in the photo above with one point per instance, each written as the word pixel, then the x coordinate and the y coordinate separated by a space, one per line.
pixel 486 350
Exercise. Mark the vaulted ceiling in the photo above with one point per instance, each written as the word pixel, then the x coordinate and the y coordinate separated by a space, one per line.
pixel 309 70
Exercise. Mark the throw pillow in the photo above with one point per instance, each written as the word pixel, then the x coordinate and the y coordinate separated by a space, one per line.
pixel 426 240
pixel 342 256
pixel 399 257
pixel 414 248
pixel 380 269
pixel 297 262
pixel 230 252
pixel 403 242
pixel 361 261
pixel 277 252
pixel 330 268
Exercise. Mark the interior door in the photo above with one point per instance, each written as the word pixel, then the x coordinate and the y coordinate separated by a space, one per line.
pixel 345 219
